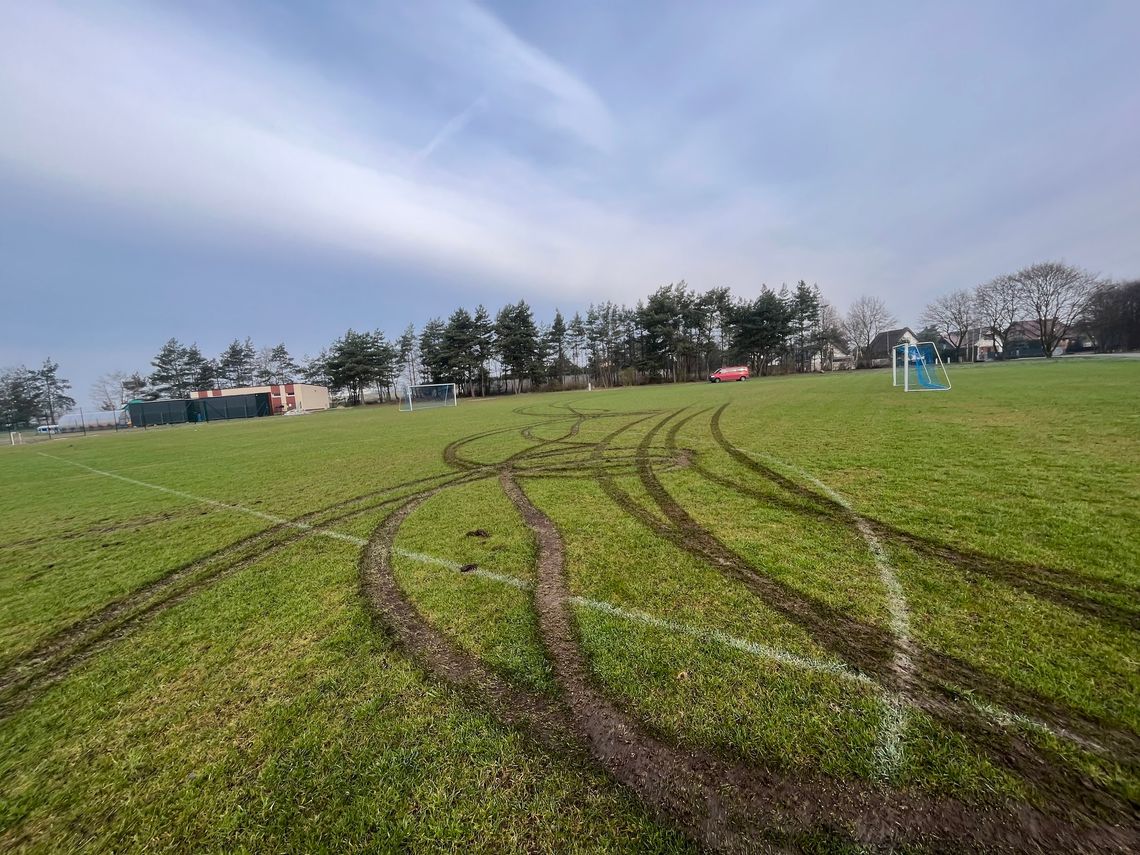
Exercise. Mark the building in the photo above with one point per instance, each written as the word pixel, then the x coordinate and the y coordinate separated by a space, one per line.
pixel 283 397
pixel 879 353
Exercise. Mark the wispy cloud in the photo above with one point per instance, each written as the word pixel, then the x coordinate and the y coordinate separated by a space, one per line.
pixel 726 149
pixel 453 126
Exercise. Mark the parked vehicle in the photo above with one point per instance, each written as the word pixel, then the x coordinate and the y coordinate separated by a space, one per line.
pixel 48 429
pixel 731 372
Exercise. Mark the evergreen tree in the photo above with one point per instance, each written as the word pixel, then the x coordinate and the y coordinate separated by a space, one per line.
pixel 171 376
pixel 51 390
pixel 431 351
pixel 315 369
pixel 760 330
pixel 358 360
pixel 284 368
pixel 484 329
pixel 803 308
pixel 458 350
pixel 517 341
pixel 237 363
pixel 556 339
pixel 137 386
pixel 202 373
pixel 19 397
pixel 576 334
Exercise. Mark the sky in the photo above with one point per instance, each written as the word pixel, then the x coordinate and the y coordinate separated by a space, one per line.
pixel 285 171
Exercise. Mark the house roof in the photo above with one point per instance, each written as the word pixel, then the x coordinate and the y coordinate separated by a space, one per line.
pixel 887 339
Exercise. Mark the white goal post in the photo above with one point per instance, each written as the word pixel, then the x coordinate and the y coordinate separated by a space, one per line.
pixel 428 395
pixel 16 438
pixel 918 367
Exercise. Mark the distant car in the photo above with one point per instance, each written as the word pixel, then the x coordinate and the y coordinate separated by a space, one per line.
pixel 48 429
pixel 732 372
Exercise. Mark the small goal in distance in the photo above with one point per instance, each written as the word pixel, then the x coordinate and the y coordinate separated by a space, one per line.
pixel 918 367
pixel 428 395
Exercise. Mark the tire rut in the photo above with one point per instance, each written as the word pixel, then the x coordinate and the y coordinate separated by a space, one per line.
pixel 727 807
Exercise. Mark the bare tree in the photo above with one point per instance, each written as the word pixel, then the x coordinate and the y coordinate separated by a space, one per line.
pixel 109 390
pixel 952 315
pixel 1057 295
pixel 831 335
pixel 867 317
pixel 998 305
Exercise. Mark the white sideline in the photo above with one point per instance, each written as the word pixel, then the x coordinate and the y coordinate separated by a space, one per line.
pixel 214 503
pixel 837 669
pixel 895 716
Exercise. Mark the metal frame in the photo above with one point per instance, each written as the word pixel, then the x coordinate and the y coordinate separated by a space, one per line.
pixel 906 369
pixel 408 394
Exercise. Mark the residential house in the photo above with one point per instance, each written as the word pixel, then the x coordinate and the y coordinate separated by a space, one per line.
pixel 879 353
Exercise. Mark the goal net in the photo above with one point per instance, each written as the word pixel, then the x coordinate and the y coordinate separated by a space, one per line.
pixel 918 367
pixel 428 395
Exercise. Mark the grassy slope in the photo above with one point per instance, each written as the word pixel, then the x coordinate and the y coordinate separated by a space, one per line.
pixel 266 712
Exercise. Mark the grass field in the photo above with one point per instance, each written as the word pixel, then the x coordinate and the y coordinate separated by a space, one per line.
pixel 812 613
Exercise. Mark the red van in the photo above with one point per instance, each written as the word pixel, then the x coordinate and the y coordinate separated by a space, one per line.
pixel 732 372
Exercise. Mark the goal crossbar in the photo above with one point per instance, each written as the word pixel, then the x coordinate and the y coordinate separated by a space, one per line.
pixel 925 360
pixel 425 396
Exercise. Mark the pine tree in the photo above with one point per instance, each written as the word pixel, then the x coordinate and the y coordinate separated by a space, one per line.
pixel 315 369
pixel 576 334
pixel 459 349
pixel 52 391
pixel 236 364
pixel 19 397
pixel 556 346
pixel 517 340
pixel 484 329
pixel 202 373
pixel 431 350
pixel 171 378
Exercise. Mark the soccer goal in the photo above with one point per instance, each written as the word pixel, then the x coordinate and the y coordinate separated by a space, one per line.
pixel 16 438
pixel 918 367
pixel 429 395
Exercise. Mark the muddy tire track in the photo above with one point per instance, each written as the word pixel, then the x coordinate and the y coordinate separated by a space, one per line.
pixel 1038 580
pixel 59 654
pixel 1054 776
pixel 940 670
pixel 544 719
pixel 728 807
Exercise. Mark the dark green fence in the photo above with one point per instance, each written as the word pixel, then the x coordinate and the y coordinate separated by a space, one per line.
pixel 180 411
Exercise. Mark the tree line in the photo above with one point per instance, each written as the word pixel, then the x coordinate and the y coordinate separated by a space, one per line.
pixel 29 395
pixel 676 334
pixel 1047 302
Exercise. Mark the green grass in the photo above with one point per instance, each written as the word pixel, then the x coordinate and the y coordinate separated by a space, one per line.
pixel 262 709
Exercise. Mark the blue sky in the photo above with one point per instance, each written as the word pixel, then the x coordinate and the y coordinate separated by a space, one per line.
pixel 288 170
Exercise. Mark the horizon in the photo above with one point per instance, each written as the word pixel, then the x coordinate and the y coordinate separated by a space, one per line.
pixel 266 171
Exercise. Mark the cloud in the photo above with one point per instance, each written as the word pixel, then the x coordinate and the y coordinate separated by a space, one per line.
pixel 808 161
pixel 464 36
pixel 453 126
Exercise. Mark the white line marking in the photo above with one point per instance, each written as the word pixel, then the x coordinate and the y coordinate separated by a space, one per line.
pixel 890 747
pixel 1008 719
pixel 835 669
pixel 214 503
pixel 894 708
